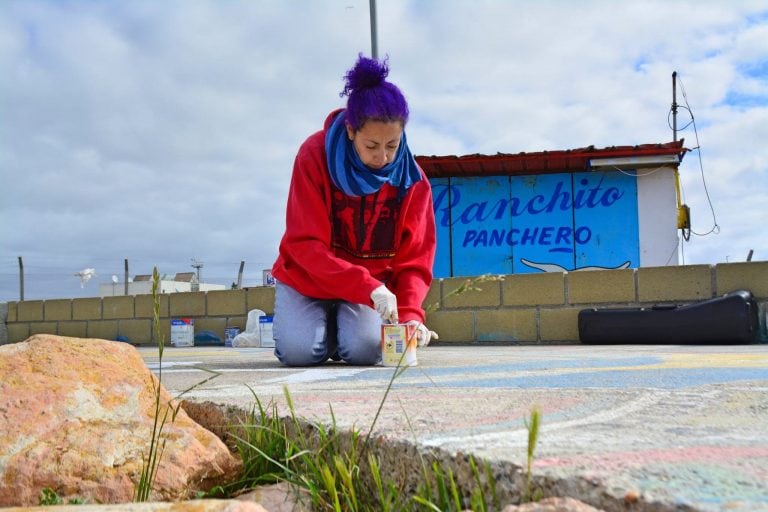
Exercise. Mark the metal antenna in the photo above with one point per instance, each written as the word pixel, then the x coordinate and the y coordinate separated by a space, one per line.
pixel 674 106
pixel 21 279
pixel 126 277
pixel 240 276
pixel 198 265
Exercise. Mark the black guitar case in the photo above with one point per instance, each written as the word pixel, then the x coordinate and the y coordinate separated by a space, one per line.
pixel 727 320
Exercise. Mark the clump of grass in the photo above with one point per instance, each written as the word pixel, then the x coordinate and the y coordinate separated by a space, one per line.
pixel 332 472
pixel 265 447
pixel 163 413
pixel 327 464
pixel 470 284
pixel 50 497
pixel 316 460
pixel 532 425
pixel 338 472
pixel 446 492
pixel 479 494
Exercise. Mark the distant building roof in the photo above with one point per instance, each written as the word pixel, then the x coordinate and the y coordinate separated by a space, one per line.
pixel 541 162
pixel 183 277
pixel 186 277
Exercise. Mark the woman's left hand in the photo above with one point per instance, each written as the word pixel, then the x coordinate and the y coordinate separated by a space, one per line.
pixel 423 334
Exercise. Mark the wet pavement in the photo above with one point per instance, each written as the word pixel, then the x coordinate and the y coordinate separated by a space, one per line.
pixel 675 427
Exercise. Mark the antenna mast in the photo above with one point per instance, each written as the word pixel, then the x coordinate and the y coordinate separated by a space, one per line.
pixel 674 106
pixel 197 265
pixel 683 211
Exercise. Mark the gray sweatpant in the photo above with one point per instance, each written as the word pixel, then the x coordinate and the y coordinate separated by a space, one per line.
pixel 308 331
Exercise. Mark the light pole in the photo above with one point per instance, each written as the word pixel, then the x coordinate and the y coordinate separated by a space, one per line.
pixel 374 42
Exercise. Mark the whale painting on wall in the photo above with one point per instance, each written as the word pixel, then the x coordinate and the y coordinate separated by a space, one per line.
pixel 554 267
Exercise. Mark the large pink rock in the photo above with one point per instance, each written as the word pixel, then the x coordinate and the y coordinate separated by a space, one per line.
pixel 76 416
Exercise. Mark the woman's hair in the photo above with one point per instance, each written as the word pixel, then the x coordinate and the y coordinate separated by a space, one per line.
pixel 370 96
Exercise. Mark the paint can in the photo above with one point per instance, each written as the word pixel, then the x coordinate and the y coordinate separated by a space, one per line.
pixel 229 335
pixel 265 331
pixel 182 332
pixel 396 340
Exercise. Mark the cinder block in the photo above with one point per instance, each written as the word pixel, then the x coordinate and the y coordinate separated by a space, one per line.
pixel 215 325
pixel 30 311
pixel 139 332
pixel 601 286
pixel 237 321
pixel 165 332
pixel 506 325
pixel 18 332
pixel 145 305
pixel 226 302
pixel 432 300
pixel 86 309
pixel 117 307
pixel 561 324
pixel 12 312
pixel 60 309
pixel 43 328
pixel 73 329
pixel 477 294
pixel 752 276
pixel 452 325
pixel 187 304
pixel 102 329
pixel 659 284
pixel 533 289
pixel 261 297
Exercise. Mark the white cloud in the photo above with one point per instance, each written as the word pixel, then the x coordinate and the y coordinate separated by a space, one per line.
pixel 164 131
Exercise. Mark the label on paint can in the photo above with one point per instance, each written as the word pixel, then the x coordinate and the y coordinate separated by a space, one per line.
pixel 396 340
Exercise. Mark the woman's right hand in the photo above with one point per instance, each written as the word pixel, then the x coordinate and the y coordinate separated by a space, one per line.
pixel 385 304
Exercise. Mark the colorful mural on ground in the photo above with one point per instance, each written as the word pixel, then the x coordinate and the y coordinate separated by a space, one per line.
pixel 537 223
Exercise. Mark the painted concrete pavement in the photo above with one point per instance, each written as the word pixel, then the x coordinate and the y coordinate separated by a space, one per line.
pixel 685 427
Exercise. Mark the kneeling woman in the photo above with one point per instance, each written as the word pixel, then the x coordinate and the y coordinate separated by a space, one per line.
pixel 360 231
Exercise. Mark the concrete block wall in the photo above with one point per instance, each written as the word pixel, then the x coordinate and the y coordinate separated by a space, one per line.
pixel 544 308
pixel 132 317
pixel 520 308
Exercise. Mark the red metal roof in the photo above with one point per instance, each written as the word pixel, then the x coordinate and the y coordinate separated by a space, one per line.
pixel 541 162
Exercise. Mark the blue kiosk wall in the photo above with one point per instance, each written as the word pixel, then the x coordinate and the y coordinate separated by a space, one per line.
pixel 535 223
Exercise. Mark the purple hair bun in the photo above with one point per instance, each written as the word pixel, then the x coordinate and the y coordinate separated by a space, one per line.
pixel 367 73
pixel 370 97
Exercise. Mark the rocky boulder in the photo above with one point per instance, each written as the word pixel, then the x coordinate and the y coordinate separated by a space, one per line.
pixel 76 416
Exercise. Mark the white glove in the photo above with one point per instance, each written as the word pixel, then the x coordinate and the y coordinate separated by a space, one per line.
pixel 423 334
pixel 385 304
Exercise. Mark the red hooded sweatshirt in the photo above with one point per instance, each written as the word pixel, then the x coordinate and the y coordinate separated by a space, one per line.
pixel 337 246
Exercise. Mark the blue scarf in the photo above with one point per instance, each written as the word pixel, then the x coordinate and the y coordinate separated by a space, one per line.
pixel 355 178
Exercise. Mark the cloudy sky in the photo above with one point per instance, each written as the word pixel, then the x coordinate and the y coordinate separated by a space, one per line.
pixel 162 131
